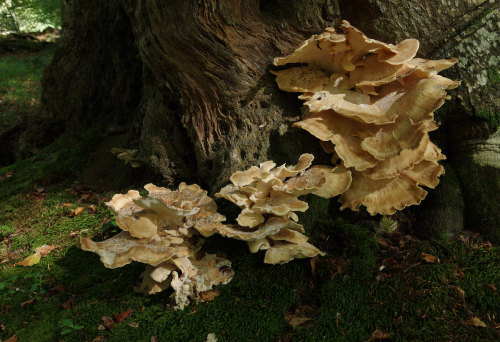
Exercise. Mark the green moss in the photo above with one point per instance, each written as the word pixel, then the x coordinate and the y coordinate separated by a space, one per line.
pixel 482 213
pixel 493 118
pixel 20 83
pixel 55 163
pixel 493 75
pixel 420 303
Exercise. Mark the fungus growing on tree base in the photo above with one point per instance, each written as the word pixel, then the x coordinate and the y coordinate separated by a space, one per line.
pixel 371 104
pixel 268 196
pixel 163 231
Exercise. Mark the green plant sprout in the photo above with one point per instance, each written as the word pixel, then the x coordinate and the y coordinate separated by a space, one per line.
pixel 70 327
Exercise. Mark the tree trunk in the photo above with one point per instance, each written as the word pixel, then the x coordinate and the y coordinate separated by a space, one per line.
pixel 191 78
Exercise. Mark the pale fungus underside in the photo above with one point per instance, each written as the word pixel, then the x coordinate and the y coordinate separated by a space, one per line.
pixel 372 105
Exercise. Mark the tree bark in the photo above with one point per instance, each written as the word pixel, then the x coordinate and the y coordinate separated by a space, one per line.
pixel 191 78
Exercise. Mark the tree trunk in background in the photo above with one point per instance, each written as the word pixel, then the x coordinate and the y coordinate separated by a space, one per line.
pixel 190 79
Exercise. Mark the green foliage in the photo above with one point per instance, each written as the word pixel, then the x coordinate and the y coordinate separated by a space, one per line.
pixel 388 225
pixel 29 15
pixel 20 85
pixel 70 327
pixel 5 231
pixel 493 75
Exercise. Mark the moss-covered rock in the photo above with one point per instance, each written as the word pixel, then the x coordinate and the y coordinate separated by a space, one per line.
pixel 478 167
pixel 441 214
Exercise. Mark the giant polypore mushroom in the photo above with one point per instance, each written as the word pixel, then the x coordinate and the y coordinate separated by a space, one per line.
pixel 159 231
pixel 371 104
pixel 268 196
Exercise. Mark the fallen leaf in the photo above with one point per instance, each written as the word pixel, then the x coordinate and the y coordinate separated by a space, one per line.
pixel 475 321
pixel 313 262
pixel 154 338
pixel 429 258
pixel 133 325
pixel 99 338
pixel 92 208
pixel 2 326
pixel 57 289
pixel 13 338
pixel 31 260
pixel 29 301
pixel 383 242
pixel 296 320
pixel 77 211
pixel 101 327
pixel 209 295
pixel 108 322
pixel 121 317
pixel 67 205
pixel 377 335
pixel 67 304
pixel 45 249
pixel 491 286
pixel 82 188
pixel 458 291
pixel 73 234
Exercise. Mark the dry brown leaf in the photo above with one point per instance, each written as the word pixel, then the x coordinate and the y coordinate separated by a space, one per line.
pixel 209 295
pixel 121 317
pixel 108 322
pixel 378 335
pixel 491 286
pixel 99 338
pixel 101 327
pixel 475 321
pixel 313 262
pixel 73 234
pixel 29 301
pixel 296 320
pixel 429 258
pixel 31 260
pixel 77 211
pixel 458 291
pixel 13 338
pixel 133 325
pixel 67 304
pixel 45 249
pixel 67 205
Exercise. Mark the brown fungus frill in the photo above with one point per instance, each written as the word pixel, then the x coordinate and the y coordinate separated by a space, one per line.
pixel 268 196
pixel 160 231
pixel 371 104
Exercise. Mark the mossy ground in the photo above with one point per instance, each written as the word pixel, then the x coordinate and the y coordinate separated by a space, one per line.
pixel 364 283
pixel 20 74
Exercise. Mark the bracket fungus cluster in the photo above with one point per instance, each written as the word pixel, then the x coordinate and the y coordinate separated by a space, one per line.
pixel 371 104
pixel 268 196
pixel 161 230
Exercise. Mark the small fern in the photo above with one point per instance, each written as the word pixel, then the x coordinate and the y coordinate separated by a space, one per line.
pixel 388 225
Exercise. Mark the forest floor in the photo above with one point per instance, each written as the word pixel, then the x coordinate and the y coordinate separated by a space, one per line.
pixel 371 285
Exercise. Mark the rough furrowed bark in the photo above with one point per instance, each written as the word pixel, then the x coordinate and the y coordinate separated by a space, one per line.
pixel 211 104
pixel 193 78
pixel 94 76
